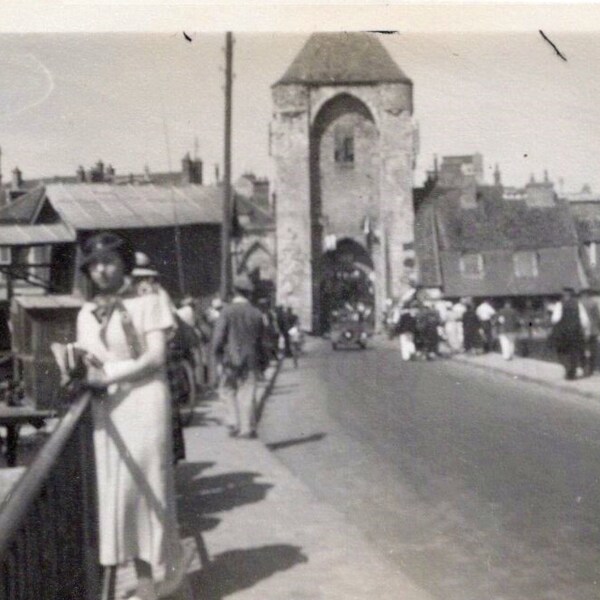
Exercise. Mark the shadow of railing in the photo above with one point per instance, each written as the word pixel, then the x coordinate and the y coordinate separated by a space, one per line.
pixel 48 521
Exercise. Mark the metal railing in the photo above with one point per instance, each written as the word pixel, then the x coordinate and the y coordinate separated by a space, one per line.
pixel 48 522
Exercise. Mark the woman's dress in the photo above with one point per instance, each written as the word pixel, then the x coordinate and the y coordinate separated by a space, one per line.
pixel 132 439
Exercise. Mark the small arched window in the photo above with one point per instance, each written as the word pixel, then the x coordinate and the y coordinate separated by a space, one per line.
pixel 344 144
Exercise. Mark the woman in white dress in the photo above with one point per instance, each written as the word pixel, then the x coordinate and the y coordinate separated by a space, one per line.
pixel 126 332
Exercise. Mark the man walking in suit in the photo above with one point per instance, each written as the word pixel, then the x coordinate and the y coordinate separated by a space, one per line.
pixel 237 345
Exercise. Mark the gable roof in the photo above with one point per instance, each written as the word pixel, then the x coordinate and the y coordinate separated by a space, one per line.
pixel 340 58
pixel 587 220
pixel 103 206
pixel 25 209
pixel 498 224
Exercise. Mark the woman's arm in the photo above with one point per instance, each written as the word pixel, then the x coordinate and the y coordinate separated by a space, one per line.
pixel 136 368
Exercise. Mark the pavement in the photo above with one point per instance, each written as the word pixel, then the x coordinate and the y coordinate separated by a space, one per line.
pixel 253 531
pixel 547 374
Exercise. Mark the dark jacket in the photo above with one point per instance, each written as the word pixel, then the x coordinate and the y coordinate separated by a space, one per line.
pixel 238 336
pixel 567 334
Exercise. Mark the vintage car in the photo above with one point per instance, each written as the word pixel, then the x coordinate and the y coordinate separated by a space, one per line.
pixel 349 328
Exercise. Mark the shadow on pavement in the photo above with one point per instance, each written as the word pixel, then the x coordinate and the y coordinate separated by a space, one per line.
pixel 315 437
pixel 241 569
pixel 204 495
pixel 199 497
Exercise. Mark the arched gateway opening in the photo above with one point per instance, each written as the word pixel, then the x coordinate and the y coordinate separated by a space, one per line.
pixel 346 281
pixel 344 195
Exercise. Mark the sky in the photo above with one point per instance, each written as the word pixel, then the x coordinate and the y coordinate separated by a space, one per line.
pixel 142 99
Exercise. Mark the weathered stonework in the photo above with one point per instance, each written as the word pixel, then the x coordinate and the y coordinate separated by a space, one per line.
pixel 317 196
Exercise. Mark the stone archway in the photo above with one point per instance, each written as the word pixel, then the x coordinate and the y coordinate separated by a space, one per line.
pixel 344 185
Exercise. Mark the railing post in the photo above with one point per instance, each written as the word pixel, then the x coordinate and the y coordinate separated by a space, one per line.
pixel 93 571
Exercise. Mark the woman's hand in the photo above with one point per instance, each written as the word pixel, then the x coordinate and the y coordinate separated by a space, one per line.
pixel 97 379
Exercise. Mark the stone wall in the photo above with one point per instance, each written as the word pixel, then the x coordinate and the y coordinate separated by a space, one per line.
pixel 290 151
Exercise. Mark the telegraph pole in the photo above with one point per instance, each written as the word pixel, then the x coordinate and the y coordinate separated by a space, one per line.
pixel 226 227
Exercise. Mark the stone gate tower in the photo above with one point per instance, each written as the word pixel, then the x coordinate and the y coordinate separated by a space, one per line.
pixel 344 146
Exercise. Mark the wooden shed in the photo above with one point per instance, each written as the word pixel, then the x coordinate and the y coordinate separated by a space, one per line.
pixel 37 321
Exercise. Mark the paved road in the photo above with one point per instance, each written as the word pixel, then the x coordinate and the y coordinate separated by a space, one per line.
pixel 475 485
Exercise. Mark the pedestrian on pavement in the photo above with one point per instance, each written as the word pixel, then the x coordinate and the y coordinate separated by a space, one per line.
pixel 454 327
pixel 284 326
pixel 508 325
pixel 238 349
pixel 407 329
pixel 485 313
pixel 471 329
pixel 590 302
pixel 431 337
pixel 209 321
pixel 146 280
pixel 127 333
pixel 571 326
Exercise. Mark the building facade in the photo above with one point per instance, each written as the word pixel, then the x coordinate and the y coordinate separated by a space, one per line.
pixel 344 145
pixel 489 241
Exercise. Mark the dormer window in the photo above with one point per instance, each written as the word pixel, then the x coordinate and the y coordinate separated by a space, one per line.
pixel 525 264
pixel 592 253
pixel 344 145
pixel 471 265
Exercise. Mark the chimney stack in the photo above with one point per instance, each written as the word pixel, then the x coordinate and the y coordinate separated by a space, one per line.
pixel 110 174
pixel 17 179
pixel 191 170
pixel 80 174
pixel 497 176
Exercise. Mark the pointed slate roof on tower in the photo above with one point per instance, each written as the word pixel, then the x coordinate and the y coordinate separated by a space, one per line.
pixel 343 58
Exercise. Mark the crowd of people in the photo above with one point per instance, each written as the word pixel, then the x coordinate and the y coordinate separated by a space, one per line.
pixel 431 327
pixel 126 332
pixel 427 328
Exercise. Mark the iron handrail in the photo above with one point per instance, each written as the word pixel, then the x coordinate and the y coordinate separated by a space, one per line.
pixel 19 501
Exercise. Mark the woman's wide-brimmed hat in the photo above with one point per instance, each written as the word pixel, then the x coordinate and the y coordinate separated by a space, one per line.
pixel 102 244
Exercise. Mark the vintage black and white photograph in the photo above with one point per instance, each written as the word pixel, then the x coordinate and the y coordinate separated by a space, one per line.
pixel 300 314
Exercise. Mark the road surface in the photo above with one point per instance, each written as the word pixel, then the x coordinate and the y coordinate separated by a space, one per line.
pixel 476 486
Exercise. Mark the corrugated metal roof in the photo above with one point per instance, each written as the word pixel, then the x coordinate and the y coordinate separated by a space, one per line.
pixel 32 235
pixel 104 206
pixel 343 57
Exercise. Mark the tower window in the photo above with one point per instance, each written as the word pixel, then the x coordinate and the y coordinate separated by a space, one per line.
pixel 344 145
